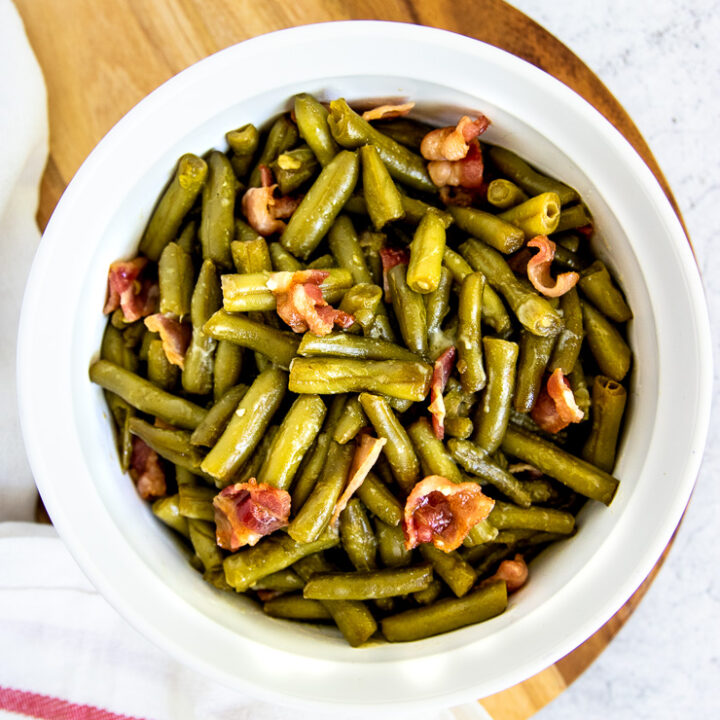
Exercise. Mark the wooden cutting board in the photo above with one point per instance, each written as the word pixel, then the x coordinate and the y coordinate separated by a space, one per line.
pixel 101 57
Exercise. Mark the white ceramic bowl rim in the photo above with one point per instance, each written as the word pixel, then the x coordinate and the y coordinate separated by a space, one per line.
pixel 51 377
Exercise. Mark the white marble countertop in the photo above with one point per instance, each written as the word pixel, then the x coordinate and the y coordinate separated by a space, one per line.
pixel 661 60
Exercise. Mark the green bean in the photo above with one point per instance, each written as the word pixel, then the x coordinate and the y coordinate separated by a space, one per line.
pixel 247 425
pixel 351 131
pixel 534 312
pixel 309 472
pixel 567 259
pixel 503 235
pixel 114 350
pixel 504 194
pixel 409 310
pixel 430 594
pixel 531 181
pixel 382 198
pixel 188 236
pixel 167 509
pixel 446 615
pixel 202 537
pixel 183 476
pixel 391 545
pixel 293 168
pixel 415 211
pixel 357 537
pixel 523 421
pixel 246 292
pixel 175 275
pixel 251 255
pixel 321 205
pixel 244 143
pixel 228 367
pixel 196 502
pixel 437 306
pixel 569 341
pixel 457 574
pixel 145 396
pixel 273 553
pixel 426 254
pixel 208 432
pixel 537 216
pixel 434 458
pixel 328 376
pixel 342 344
pixel 282 260
pixel 371 243
pixel 598 287
pixel 404 130
pixel 568 241
pixel 295 437
pixel 398 450
pixel 540 490
pixel 378 499
pixel 535 354
pixel 506 516
pixel 346 250
pixel 217 222
pixel 176 201
pixel 296 607
pixel 389 582
pixel 282 136
pixel 283 581
pixel 573 217
pixel 350 423
pixel 580 476
pixel 610 351
pixel 470 361
pixel 324 262
pixel 608 398
pixel 312 120
pixel 278 346
pixel 160 370
pixel 459 427
pixel 251 468
pixel 173 445
pixel 477 462
pixel 134 333
pixel 362 301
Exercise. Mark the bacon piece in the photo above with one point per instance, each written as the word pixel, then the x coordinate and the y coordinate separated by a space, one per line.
pixel 514 572
pixel 453 143
pixel 384 112
pixel 301 305
pixel 174 334
pixel 555 407
pixel 286 205
pixel 463 197
pixel 441 373
pixel 267 595
pixel 136 296
pixel 366 455
pixel 442 512
pixel 586 230
pixel 246 512
pixel 390 257
pixel 518 261
pixel 538 269
pixel 467 173
pixel 146 471
pixel 266 176
pixel 258 207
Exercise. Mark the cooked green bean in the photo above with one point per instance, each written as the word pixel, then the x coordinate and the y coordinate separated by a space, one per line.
pixel 415 211
pixel 342 344
pixel 434 458
pixel 217 222
pixel 308 474
pixel 469 345
pixel 382 199
pixel 188 236
pixel 324 262
pixel 351 422
pixel 293 168
pixel 296 607
pixel 506 516
pixel 391 545
pixel 533 311
pixel 535 353
pixel 115 350
pixel 503 235
pixel 378 499
pixel 459 427
pixel 569 341
pixel 409 310
pixel 175 277
pixel 295 437
pixel 282 581
pixel 426 254
pixel 389 582
pixel 580 476
pixel 202 538
pixel 357 537
pixel 312 120
pixel 282 260
pixel 173 445
pixel 227 368
pixel 446 615
pixel 568 259
pixel 346 250
pixel 167 509
pixel 321 205
pixel 244 143
pixel 176 201
pixel 363 302
pixel 598 287
pixel 610 351
pixel 537 216
pixel 504 194
pixel 608 401
pixel 437 306
pixel 457 574
pixel 404 130
pixel 159 369
pixel 196 502
pixel 282 136
pixel 328 376
pixel 211 428
pixel 252 255
pixel 573 217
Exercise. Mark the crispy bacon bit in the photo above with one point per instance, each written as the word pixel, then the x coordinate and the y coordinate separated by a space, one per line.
pixel 441 373
pixel 390 257
pixel 136 296
pixel 463 197
pixel 452 143
pixel 586 230
pixel 538 269
pixel 366 455
pixel 175 336
pixel 513 572
pixel 246 512
pixel 266 176
pixel 146 471
pixel 258 206
pixel 384 112
pixel 442 512
pixel 301 305
pixel 556 408
pixel 467 173
pixel 267 595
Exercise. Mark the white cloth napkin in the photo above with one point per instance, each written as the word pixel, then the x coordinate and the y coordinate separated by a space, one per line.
pixel 64 651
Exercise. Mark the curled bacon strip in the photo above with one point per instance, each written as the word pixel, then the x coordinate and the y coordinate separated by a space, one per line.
pixel 556 408
pixel 390 257
pixel 146 471
pixel 467 173
pixel 441 373
pixel 174 334
pixel 514 572
pixel 442 512
pixel 258 206
pixel 538 269
pixel 266 176
pixel 366 455
pixel 384 112
pixel 453 143
pixel 245 512
pixel 301 305
pixel 127 290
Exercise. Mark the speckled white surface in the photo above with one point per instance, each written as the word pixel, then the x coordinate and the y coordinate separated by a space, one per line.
pixel 661 59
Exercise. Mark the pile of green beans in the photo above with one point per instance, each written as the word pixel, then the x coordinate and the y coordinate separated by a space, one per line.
pixel 256 400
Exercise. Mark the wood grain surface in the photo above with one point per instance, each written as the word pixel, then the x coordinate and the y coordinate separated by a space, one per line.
pixel 101 57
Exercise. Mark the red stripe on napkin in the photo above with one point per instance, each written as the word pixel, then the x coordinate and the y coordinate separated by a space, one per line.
pixel 45 707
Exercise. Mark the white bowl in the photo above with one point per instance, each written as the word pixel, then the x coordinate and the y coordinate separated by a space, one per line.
pixel 135 562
